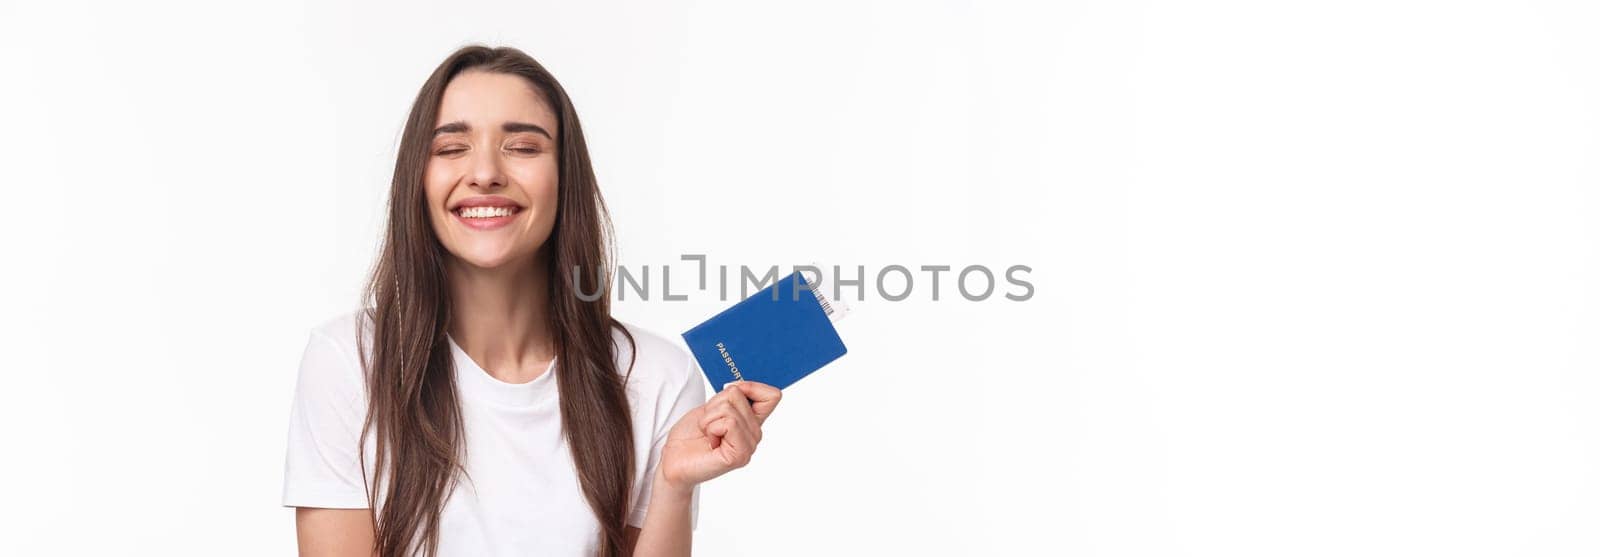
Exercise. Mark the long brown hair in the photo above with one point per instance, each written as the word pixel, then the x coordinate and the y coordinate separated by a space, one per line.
pixel 414 414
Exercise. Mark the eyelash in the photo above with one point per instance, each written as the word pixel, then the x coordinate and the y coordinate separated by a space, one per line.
pixel 523 150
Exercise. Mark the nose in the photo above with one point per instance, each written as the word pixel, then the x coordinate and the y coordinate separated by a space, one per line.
pixel 486 170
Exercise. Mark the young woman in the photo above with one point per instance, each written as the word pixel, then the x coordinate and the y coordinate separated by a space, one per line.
pixel 477 405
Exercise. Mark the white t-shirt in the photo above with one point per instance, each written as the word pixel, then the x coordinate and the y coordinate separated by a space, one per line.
pixel 523 496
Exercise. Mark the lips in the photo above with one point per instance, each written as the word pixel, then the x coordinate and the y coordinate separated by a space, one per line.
pixel 486 212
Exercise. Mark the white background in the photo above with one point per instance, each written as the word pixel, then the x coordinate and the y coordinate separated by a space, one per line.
pixel 1312 278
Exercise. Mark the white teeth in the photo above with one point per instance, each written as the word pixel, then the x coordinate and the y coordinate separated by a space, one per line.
pixel 485 212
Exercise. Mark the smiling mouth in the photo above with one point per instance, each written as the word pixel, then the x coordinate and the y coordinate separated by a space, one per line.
pixel 486 212
pixel 487 217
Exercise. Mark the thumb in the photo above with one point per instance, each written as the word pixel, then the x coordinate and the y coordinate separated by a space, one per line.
pixel 763 397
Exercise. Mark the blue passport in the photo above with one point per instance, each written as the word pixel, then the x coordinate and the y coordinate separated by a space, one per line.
pixel 776 336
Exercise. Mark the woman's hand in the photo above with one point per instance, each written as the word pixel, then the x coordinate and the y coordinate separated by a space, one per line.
pixel 718 436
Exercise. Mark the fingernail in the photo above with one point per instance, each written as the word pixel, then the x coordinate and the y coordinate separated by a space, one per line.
pixel 725 386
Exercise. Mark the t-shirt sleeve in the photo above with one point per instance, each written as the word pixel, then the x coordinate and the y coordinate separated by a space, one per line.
pixel 322 467
pixel 678 399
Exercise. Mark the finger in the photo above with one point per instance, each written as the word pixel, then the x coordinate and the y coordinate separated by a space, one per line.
pixel 763 397
pixel 740 406
pixel 725 403
pixel 738 411
pixel 720 427
pixel 715 409
pixel 738 446
pixel 731 390
pixel 747 417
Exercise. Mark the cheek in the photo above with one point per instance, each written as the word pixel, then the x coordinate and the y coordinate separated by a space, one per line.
pixel 436 183
pixel 547 193
pixel 542 181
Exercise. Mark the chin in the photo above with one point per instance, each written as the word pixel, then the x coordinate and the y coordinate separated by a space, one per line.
pixel 491 258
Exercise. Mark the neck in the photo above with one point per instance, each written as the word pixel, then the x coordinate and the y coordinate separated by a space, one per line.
pixel 500 317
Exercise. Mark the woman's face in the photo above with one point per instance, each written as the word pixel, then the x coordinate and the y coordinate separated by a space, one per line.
pixel 491 177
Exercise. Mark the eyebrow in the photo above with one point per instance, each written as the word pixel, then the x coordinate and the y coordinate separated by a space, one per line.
pixel 514 127
pixel 508 127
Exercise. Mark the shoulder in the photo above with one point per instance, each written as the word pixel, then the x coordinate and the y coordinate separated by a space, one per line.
pixel 344 329
pixel 664 384
pixel 331 358
pixel 661 362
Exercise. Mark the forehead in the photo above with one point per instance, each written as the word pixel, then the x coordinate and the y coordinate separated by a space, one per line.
pixel 485 100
